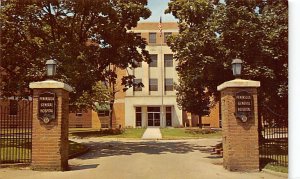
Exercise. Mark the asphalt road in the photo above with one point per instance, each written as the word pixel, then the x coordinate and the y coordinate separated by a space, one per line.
pixel 122 159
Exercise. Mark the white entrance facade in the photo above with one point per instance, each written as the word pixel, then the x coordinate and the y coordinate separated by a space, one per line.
pixel 154 104
pixel 148 111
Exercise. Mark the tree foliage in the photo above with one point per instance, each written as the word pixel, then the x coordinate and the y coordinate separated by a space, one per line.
pixel 212 33
pixel 85 37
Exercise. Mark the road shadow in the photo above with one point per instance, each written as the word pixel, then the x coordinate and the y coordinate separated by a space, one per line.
pixel 115 148
pixel 83 167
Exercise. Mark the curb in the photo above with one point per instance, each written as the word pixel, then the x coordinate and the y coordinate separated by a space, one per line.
pixel 15 165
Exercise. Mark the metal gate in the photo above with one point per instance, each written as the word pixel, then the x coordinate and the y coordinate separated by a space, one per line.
pixel 15 131
pixel 273 138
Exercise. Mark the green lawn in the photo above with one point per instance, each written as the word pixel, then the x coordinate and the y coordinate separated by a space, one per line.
pixel 15 154
pixel 136 133
pixel 76 148
pixel 277 168
pixel 187 133
pixel 132 133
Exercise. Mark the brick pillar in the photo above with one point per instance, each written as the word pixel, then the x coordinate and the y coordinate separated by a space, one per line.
pixel 240 138
pixel 50 140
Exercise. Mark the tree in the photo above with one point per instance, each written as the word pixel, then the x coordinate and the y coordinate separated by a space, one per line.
pixel 212 33
pixel 85 37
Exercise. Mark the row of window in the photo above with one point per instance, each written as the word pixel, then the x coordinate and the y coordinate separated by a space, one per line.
pixel 101 113
pixel 168 58
pixel 152 36
pixel 153 84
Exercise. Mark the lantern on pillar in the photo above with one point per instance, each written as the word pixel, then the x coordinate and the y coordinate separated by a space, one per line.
pixel 237 67
pixel 51 68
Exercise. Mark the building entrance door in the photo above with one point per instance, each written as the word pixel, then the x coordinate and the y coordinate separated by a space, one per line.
pixel 153 116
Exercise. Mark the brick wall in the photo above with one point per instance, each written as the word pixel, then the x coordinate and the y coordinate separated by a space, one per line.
pixel 119 115
pixel 240 140
pixel 82 121
pixel 50 141
pixel 212 120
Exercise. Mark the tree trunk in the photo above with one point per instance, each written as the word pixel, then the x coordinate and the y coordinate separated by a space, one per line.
pixel 111 106
pixel 200 120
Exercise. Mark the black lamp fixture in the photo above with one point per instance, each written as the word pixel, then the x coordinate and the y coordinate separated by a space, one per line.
pixel 51 68
pixel 237 67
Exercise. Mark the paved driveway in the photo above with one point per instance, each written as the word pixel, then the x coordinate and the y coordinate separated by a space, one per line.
pixel 143 159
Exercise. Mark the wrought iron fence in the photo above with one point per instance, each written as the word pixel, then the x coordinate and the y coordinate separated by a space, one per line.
pixel 15 131
pixel 273 138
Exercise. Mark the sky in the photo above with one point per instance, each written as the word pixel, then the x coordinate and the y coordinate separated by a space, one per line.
pixel 157 8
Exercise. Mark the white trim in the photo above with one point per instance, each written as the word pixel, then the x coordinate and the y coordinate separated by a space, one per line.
pixel 50 84
pixel 238 83
pixel 157 31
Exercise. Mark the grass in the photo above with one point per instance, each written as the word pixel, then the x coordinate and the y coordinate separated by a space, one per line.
pixel 76 148
pixel 277 168
pixel 187 133
pixel 131 133
pixel 20 154
pixel 14 154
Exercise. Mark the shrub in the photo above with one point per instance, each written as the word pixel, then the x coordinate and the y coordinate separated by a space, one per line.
pixel 115 131
pixel 200 131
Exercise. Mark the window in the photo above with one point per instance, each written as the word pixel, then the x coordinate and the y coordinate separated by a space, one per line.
pixel 78 114
pixel 153 60
pixel 104 125
pixel 103 113
pixel 153 116
pixel 135 88
pixel 138 116
pixel 168 84
pixel 166 34
pixel 138 64
pixel 152 37
pixel 13 107
pixel 169 116
pixel 153 85
pixel 168 60
pixel 138 34
pixel 153 109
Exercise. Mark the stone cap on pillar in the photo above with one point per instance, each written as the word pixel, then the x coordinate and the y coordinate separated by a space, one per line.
pixel 50 84
pixel 236 83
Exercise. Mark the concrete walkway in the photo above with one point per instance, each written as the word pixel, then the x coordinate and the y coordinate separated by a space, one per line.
pixel 147 159
pixel 152 133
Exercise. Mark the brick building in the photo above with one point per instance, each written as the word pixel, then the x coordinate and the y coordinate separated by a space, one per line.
pixel 154 104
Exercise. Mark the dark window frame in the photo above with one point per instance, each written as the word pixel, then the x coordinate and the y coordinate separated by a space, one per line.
pixel 135 88
pixel 152 37
pixel 153 60
pixel 152 86
pixel 78 114
pixel 168 86
pixel 168 116
pixel 138 34
pixel 138 114
pixel 168 61
pixel 103 113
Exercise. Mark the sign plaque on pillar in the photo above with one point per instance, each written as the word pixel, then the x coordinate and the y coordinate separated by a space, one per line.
pixel 46 107
pixel 243 106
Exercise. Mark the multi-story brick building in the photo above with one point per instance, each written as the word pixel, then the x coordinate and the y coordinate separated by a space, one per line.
pixel 154 104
